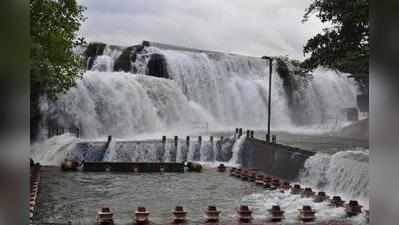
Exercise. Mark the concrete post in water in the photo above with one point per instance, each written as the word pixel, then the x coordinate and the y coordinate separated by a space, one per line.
pixel 176 140
pixel 185 153
pixel 141 215
pixel 336 201
pixel 252 134
pixel 180 215
pixel 212 214
pixel 161 153
pixel 105 217
pixel 307 214
pixel 307 193
pixel 173 151
pixel 320 197
pixel 197 150
pixel 248 134
pixel 188 141
pixel 218 151
pixel 240 132
pixel 276 213
pixel 212 154
pixel 244 214
pixel 353 208
pixel 296 189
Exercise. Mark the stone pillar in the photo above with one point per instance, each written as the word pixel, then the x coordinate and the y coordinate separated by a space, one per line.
pixel 218 150
pixel 185 152
pixel 173 151
pixel 163 149
pixel 213 154
pixel 197 150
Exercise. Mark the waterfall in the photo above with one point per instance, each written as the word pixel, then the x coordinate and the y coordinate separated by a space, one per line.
pixel 344 172
pixel 235 159
pixel 54 150
pixel 110 153
pixel 202 92
pixel 216 90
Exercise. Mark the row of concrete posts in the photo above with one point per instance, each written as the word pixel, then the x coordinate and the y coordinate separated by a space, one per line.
pixel 251 134
pixel 306 213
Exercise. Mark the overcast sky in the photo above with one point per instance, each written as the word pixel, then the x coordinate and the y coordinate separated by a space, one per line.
pixel 249 27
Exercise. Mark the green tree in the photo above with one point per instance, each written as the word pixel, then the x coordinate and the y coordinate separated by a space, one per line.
pixel 344 45
pixel 54 66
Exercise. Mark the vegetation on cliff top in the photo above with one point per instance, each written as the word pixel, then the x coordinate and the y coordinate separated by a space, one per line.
pixel 345 44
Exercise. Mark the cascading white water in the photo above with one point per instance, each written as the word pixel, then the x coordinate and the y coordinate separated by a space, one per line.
pixel 54 150
pixel 123 104
pixel 205 91
pixel 103 63
pixel 345 172
pixel 221 91
pixel 231 88
pixel 323 98
pixel 237 147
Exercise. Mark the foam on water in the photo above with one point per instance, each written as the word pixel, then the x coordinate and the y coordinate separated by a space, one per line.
pixel 345 173
pixel 54 150
pixel 261 202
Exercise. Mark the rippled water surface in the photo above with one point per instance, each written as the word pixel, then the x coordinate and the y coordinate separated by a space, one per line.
pixel 76 196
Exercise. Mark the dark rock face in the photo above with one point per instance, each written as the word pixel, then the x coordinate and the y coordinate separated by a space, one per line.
pixel 284 73
pixel 92 51
pixel 123 63
pixel 293 79
pixel 157 66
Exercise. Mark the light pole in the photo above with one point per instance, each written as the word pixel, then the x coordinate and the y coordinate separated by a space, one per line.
pixel 269 98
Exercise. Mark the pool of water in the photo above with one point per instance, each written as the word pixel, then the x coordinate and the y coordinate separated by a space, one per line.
pixel 76 196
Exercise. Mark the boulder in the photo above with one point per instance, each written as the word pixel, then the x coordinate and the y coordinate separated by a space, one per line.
pixel 157 66
pixel 123 63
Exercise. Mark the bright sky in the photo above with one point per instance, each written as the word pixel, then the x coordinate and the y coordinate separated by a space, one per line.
pixel 249 27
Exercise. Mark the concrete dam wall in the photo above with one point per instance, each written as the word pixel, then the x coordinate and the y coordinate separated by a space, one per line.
pixel 274 159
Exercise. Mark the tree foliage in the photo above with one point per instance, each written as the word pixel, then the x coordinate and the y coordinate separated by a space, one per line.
pixel 54 66
pixel 344 45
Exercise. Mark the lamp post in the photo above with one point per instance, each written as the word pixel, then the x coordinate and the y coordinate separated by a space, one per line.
pixel 269 98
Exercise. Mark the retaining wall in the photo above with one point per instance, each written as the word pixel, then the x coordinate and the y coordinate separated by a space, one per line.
pixel 274 159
